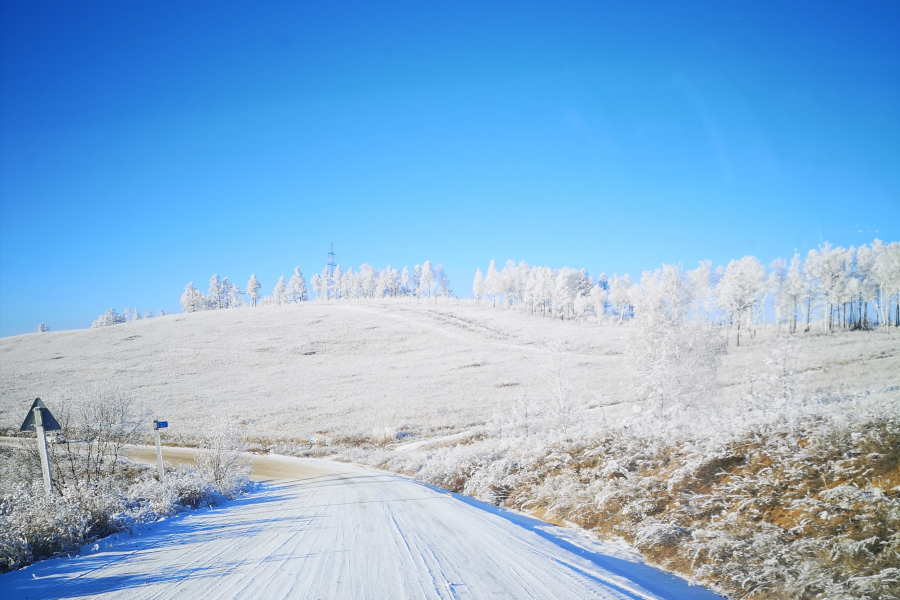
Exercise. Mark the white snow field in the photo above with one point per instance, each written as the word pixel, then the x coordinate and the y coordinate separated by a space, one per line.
pixel 534 413
pixel 318 370
pixel 329 530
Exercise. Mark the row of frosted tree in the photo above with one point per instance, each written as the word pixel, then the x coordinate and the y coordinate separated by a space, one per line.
pixel 424 281
pixel 333 283
pixel 114 317
pixel 853 288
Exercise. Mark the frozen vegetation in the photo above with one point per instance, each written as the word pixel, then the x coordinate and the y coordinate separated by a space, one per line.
pixel 97 490
pixel 756 455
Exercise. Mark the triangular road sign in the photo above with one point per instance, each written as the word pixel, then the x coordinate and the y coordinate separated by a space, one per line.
pixel 49 422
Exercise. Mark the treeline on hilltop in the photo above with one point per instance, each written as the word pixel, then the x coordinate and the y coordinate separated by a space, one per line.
pixel 368 282
pixel 424 281
pixel 848 288
pixel 854 288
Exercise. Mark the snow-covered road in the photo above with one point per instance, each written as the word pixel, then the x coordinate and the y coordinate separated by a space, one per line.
pixel 326 530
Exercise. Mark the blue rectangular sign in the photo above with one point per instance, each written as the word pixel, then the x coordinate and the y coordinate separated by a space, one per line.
pixel 162 424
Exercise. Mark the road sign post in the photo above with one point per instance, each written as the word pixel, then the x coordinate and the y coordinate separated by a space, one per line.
pixel 42 450
pixel 157 425
pixel 40 420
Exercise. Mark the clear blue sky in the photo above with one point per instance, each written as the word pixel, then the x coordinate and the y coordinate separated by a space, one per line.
pixel 144 145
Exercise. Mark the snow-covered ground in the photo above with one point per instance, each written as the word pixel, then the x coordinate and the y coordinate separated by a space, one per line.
pixel 331 530
pixel 540 414
pixel 319 370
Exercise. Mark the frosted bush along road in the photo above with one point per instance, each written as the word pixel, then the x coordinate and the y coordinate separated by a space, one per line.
pixel 329 530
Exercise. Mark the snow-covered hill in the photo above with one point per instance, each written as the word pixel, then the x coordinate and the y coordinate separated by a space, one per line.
pixel 349 369
pixel 778 479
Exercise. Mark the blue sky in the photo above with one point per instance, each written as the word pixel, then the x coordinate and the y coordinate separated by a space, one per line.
pixel 145 145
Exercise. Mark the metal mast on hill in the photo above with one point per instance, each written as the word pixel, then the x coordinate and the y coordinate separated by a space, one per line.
pixel 330 267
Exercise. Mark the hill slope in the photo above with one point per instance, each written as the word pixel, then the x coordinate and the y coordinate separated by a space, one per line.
pixel 347 369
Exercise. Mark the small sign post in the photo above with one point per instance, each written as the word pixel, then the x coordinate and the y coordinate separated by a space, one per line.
pixel 157 425
pixel 39 419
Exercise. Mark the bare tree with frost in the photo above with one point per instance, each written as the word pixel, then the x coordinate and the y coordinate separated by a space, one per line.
pixel 598 300
pixel 739 290
pixel 215 294
pixel 493 282
pixel 253 290
pixel 442 282
pixel 426 278
pixel 220 458
pixel 619 294
pixel 700 282
pixel 404 281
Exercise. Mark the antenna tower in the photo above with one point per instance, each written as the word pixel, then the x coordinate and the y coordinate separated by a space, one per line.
pixel 331 264
pixel 332 284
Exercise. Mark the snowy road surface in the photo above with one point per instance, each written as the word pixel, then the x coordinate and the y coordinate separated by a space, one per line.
pixel 319 529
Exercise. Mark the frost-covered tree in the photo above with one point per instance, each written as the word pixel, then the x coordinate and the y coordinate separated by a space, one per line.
pixel 297 286
pixel 42 328
pixel 566 290
pixel 865 284
pixel 110 317
pixel 404 281
pixel 367 280
pixel 676 360
pixel 337 284
pixel 317 285
pixel 544 289
pixel 810 277
pixel 442 282
pixel 232 294
pixel 478 286
pixel 415 282
pixel 831 272
pixel 192 299
pixel 215 294
pixel 619 288
pixel 383 283
pixel 148 314
pixel 885 274
pixel 700 283
pixel 598 301
pixel 426 278
pixel 791 293
pixel 253 290
pixel 280 294
pixel 739 290
pixel 220 458
pixel 522 277
pixel 508 282
pixel 493 282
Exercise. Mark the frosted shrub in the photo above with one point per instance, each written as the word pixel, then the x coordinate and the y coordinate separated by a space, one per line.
pixel 676 360
pixel 384 435
pixel 34 526
pixel 97 423
pixel 184 487
pixel 220 461
pixel 96 492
